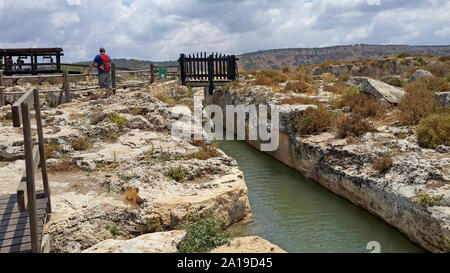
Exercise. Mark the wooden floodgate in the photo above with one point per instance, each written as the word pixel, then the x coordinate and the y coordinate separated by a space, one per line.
pixel 24 214
pixel 207 71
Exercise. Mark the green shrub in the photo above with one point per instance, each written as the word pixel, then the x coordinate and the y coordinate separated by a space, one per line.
pixel 425 200
pixel 114 229
pixel 434 130
pixel 313 121
pixel 394 82
pixel 202 235
pixel 383 163
pixel 177 173
pixel 117 119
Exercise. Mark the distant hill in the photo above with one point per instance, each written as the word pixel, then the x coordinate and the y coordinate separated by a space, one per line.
pixel 276 58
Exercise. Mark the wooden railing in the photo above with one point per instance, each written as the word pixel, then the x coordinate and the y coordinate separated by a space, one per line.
pixel 26 191
pixel 215 67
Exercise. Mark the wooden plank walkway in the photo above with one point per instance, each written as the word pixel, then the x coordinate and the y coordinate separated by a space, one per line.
pixel 15 225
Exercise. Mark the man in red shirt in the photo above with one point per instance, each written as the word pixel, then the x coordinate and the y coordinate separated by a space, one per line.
pixel 103 63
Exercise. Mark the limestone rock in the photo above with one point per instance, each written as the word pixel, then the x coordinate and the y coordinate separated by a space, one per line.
pixel 250 244
pixel 159 242
pixel 443 98
pixel 419 74
pixel 378 89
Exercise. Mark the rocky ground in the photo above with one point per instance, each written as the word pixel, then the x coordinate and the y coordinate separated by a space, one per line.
pixel 114 168
pixel 415 180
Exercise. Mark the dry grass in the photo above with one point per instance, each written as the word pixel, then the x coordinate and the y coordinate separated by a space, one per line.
pixel 439 69
pixel 359 103
pixel 132 196
pixel 51 149
pixel 63 167
pixel 314 121
pixel 299 101
pixel 299 87
pixel 76 116
pixel 383 163
pixel 82 144
pixel 351 126
pixel 334 88
pixel 165 97
pixel 247 72
pixel 270 77
pixel 328 78
pixel 205 152
pixel 417 104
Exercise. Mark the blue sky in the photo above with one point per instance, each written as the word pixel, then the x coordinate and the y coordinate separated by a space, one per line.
pixel 162 29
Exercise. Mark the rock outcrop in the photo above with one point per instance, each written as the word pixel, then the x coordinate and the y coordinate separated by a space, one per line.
pixel 345 167
pixel 443 98
pixel 378 89
pixel 124 143
pixel 420 74
pixel 250 244
pixel 159 242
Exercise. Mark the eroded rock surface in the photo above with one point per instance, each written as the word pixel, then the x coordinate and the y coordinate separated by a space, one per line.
pixel 158 242
pixel 110 162
pixel 250 244
pixel 378 89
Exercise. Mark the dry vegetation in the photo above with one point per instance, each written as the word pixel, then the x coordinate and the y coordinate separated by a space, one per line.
pixel 132 196
pixel 434 130
pixel 314 121
pixel 51 149
pixel 359 103
pixel 383 163
pixel 298 80
pixel 418 107
pixel 417 104
pixel 82 144
pixel 351 126
pixel 205 152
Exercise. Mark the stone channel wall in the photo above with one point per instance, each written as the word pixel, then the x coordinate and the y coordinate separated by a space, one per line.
pixel 427 227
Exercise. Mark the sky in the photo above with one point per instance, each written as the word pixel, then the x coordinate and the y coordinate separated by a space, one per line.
pixel 162 29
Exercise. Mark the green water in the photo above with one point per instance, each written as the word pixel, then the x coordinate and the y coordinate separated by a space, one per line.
pixel 299 215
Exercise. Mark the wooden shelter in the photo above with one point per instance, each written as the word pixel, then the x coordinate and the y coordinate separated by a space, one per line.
pixel 30 60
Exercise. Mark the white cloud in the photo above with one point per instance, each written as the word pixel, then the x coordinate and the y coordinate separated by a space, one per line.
pixel 73 2
pixel 60 19
pixel 445 32
pixel 161 29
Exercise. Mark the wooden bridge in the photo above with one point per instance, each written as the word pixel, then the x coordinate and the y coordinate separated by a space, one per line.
pixel 207 71
pixel 24 214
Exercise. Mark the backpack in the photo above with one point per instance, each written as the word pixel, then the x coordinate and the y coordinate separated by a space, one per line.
pixel 106 66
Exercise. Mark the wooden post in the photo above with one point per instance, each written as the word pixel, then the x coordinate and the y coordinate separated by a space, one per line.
pixel 31 194
pixel 2 99
pixel 152 73
pixel 37 109
pixel 211 73
pixel 182 70
pixel 113 75
pixel 66 85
